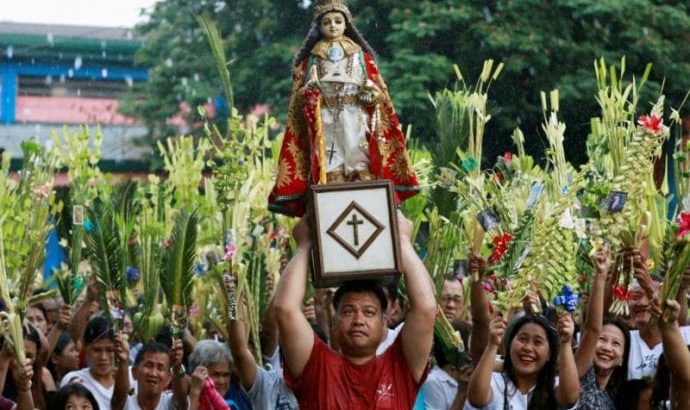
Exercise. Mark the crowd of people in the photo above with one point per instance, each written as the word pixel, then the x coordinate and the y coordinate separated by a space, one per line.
pixel 365 345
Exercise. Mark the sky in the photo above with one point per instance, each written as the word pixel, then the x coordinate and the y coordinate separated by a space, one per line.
pixel 106 13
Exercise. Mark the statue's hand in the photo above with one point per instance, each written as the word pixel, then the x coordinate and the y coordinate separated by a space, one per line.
pixel 369 93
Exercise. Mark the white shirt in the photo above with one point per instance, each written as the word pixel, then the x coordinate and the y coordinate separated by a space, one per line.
pixel 100 393
pixel 516 399
pixel 643 360
pixel 84 377
pixel 270 392
pixel 166 402
pixel 390 338
pixel 440 390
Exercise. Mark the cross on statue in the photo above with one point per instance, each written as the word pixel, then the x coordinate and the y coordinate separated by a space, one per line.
pixel 330 153
pixel 354 222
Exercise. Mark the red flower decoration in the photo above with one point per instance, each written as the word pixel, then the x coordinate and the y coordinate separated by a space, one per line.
pixel 651 123
pixel 683 224
pixel 500 247
pixel 621 293
pixel 508 157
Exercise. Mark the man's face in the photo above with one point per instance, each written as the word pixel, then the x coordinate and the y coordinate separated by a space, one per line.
pixel 452 302
pixel 152 374
pixel 640 307
pixel 100 355
pixel 359 324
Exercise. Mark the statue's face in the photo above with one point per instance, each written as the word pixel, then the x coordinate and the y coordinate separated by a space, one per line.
pixel 332 25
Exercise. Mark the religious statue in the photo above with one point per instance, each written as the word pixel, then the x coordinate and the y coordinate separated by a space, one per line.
pixel 342 126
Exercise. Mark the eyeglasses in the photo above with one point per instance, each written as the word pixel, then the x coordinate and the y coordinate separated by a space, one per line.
pixel 457 299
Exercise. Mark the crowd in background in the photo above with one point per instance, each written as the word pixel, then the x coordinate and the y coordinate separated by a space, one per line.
pixel 369 345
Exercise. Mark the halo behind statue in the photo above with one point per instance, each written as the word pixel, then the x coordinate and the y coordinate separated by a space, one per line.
pixel 324 6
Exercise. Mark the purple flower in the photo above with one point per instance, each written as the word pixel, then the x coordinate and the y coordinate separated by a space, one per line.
pixel 567 299
pixel 132 274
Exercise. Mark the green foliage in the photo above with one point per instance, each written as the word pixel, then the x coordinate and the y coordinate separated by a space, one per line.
pixel 417 42
pixel 178 260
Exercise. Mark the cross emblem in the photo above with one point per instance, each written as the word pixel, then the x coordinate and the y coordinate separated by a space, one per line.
pixel 355 223
pixel 364 228
pixel 330 153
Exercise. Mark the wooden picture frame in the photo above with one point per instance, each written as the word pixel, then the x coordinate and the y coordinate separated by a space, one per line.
pixel 355 231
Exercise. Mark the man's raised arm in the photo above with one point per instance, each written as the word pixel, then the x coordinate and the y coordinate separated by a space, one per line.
pixel 418 331
pixel 296 335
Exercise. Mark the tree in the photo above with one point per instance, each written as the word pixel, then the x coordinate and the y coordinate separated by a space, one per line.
pixel 417 41
pixel 543 48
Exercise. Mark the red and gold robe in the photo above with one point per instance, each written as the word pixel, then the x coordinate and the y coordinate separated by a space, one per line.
pixel 298 164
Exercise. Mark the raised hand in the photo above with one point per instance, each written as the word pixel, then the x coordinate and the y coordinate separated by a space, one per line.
pixel 301 232
pixel 198 379
pixel 405 228
pixel 497 330
pixel 23 375
pixel 476 266
pixel 601 261
pixel 121 348
pixel 65 317
pixel 177 353
pixel 566 327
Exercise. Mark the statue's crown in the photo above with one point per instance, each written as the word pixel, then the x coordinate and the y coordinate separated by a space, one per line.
pixel 324 6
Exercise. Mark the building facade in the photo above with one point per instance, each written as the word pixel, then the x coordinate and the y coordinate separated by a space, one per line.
pixel 55 76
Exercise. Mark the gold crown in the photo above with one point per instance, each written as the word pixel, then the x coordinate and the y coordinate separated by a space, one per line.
pixel 324 6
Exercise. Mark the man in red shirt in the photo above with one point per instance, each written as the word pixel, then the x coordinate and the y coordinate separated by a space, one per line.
pixel 356 378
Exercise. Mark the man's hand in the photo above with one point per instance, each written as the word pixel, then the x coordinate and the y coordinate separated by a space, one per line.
pixel 566 327
pixel 671 312
pixel 301 233
pixel 476 266
pixel 176 354
pixel 497 330
pixel 405 228
pixel 121 348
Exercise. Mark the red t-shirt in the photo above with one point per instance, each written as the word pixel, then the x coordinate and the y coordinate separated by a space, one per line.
pixel 329 381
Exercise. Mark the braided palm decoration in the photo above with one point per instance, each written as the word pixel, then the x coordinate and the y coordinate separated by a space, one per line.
pixel 640 153
pixel 550 261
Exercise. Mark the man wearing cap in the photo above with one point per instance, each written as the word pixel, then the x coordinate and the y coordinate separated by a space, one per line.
pixel 99 377
pixel 355 377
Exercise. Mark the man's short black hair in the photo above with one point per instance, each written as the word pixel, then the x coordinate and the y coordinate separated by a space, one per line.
pixel 97 329
pixel 361 286
pixel 154 347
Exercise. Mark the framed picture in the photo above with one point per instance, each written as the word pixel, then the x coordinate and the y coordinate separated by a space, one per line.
pixel 616 201
pixel 355 232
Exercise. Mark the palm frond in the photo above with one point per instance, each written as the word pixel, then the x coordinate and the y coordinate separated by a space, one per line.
pixel 178 262
pixel 103 247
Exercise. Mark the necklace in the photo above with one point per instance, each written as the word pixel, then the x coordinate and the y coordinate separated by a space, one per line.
pixel 335 52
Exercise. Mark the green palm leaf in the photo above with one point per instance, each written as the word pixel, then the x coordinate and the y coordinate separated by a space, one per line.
pixel 178 266
pixel 103 247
